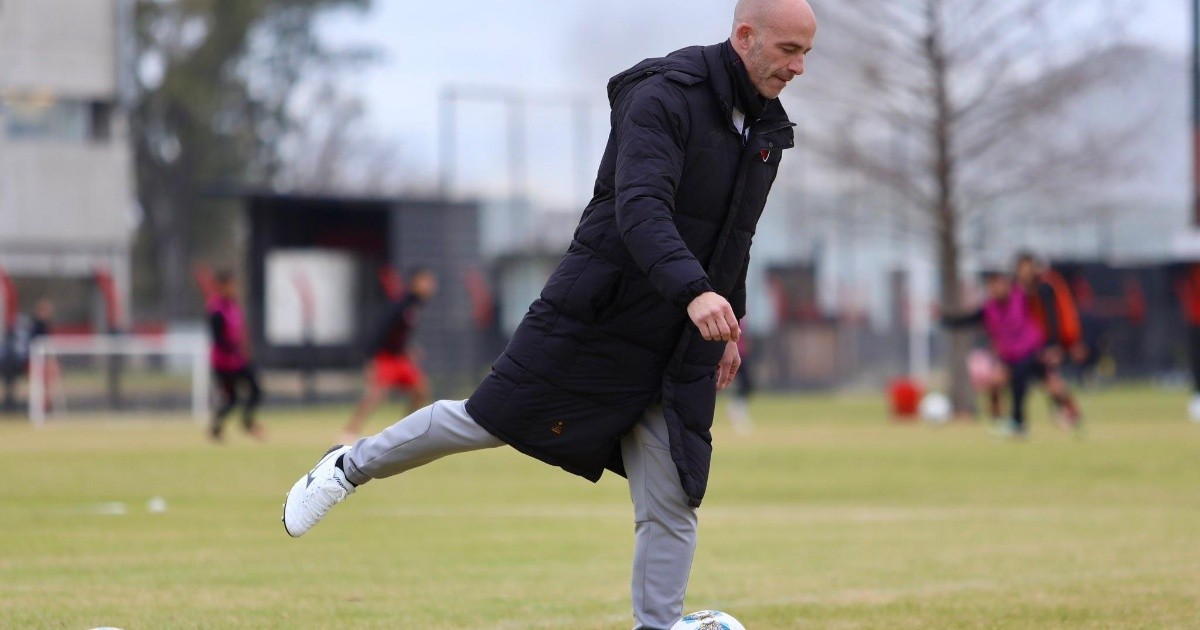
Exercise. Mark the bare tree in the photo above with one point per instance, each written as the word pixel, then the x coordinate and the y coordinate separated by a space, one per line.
pixel 977 93
pixel 338 151
pixel 215 80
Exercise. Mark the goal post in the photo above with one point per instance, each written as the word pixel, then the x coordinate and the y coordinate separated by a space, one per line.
pixel 176 353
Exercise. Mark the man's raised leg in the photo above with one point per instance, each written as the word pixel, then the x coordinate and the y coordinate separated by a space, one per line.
pixel 430 433
pixel 665 525
pixel 440 429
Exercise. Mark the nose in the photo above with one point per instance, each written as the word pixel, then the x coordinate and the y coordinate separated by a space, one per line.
pixel 796 67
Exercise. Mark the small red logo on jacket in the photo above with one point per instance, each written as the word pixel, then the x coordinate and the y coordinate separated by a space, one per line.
pixel 765 153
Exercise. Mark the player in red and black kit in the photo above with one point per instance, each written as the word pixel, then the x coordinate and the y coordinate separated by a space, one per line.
pixel 1188 288
pixel 1062 337
pixel 392 365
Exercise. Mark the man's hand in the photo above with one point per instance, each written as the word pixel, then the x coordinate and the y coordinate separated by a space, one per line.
pixel 729 365
pixel 1052 356
pixel 713 315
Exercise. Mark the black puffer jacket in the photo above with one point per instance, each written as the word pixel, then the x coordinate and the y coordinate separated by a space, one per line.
pixel 610 335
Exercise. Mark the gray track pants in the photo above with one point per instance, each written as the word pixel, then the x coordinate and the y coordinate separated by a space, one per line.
pixel 665 526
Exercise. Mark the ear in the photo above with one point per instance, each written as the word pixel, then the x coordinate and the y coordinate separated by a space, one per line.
pixel 743 36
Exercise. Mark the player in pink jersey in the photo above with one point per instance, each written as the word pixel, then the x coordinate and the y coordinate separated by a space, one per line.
pixel 230 358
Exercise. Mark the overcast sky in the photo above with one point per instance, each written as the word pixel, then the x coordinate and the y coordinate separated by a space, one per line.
pixel 549 48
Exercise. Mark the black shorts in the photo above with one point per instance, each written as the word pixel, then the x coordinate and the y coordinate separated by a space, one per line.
pixel 1031 366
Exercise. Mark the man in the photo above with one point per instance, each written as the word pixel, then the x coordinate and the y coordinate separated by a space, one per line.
pixel 617 364
pixel 43 319
pixel 230 358
pixel 738 406
pixel 1052 308
pixel 1188 289
pixel 43 326
pixel 391 365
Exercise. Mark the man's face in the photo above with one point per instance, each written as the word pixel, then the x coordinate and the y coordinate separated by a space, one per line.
pixel 1026 272
pixel 774 51
pixel 423 285
pixel 773 61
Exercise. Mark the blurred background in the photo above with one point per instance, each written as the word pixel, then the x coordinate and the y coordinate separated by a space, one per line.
pixel 318 147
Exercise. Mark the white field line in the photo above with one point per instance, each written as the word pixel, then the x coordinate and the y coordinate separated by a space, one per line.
pixel 769 514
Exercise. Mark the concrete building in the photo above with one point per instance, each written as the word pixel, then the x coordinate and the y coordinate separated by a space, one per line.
pixel 67 202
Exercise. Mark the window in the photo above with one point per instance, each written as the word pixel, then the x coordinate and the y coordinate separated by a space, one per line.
pixel 46 118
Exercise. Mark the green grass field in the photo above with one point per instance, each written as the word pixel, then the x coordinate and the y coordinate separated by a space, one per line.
pixel 826 517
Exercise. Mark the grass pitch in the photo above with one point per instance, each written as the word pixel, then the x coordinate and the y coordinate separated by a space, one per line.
pixel 826 517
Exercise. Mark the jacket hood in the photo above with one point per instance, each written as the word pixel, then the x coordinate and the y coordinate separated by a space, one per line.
pixel 686 66
pixel 689 66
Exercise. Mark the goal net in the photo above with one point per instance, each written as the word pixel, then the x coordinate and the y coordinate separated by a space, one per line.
pixel 82 376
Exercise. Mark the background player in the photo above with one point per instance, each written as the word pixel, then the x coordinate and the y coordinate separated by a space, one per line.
pixel 1188 289
pixel 230 358
pixel 738 407
pixel 1016 338
pixel 1052 307
pixel 392 365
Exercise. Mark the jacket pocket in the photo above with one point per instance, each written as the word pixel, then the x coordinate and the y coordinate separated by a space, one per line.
pixel 695 399
pixel 768 147
pixel 614 300
pixel 767 151
pixel 594 289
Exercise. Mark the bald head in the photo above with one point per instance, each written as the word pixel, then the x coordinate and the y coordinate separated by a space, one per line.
pixel 761 12
pixel 773 37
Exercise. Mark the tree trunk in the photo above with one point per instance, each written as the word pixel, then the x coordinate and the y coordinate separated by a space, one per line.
pixel 168 227
pixel 172 255
pixel 946 211
pixel 958 341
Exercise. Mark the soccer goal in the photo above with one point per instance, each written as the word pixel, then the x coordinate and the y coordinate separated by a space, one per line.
pixel 105 375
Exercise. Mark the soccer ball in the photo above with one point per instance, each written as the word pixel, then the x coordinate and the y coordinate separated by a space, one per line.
pixel 935 407
pixel 1194 408
pixel 708 620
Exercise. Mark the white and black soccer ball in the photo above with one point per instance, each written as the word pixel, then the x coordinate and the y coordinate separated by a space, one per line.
pixel 708 620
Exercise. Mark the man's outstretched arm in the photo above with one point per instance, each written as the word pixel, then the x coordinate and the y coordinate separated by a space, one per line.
pixel 650 156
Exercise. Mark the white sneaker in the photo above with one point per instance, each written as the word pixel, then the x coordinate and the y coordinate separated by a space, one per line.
pixel 313 494
pixel 1008 429
pixel 739 417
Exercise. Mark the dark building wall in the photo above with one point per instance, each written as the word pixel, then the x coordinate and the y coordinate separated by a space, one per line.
pixel 284 222
pixel 404 234
pixel 445 238
pixel 1130 313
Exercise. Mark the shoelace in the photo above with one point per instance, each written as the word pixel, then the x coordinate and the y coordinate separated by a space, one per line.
pixel 337 493
pixel 334 491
